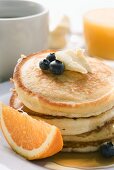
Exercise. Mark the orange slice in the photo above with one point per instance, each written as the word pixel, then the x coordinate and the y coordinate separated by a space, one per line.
pixel 33 139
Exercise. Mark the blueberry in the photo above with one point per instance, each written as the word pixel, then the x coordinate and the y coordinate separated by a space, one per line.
pixel 44 65
pixel 51 57
pixel 56 67
pixel 107 150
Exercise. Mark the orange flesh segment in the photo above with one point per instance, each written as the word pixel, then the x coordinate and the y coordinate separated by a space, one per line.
pixel 24 126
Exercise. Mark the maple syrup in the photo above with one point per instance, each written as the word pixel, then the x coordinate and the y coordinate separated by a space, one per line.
pixel 81 160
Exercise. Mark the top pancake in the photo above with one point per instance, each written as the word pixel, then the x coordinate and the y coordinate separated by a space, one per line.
pixel 71 94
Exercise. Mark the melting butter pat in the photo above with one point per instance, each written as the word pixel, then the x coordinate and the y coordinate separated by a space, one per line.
pixel 74 60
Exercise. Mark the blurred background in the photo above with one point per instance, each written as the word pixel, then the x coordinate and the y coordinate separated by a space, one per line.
pixel 66 22
pixel 74 9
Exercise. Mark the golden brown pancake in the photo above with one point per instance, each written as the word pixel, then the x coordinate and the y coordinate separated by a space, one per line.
pixel 68 126
pixel 71 94
pixel 103 133
pixel 82 147
pixel 89 142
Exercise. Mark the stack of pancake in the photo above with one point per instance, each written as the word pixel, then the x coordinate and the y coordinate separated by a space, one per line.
pixel 81 105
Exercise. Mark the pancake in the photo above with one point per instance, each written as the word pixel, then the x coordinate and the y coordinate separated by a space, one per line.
pixel 82 147
pixel 72 126
pixel 71 94
pixel 78 126
pixel 88 148
pixel 103 133
pixel 89 142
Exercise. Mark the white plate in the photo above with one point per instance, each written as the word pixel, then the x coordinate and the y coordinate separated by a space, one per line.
pixel 9 160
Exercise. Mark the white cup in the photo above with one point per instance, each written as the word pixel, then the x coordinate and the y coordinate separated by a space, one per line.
pixel 23 30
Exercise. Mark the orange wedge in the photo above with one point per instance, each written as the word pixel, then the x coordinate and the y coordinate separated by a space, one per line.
pixel 33 139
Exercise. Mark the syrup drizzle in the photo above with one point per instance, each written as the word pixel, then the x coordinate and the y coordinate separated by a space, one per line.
pixel 81 160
